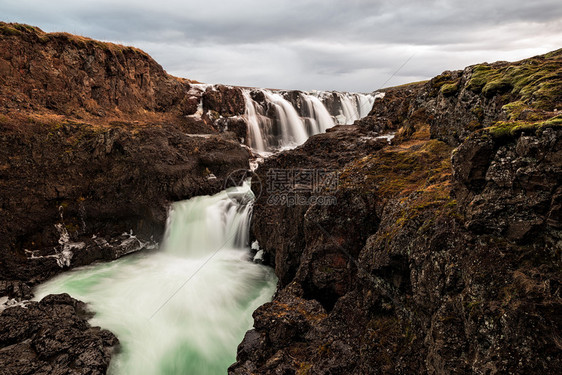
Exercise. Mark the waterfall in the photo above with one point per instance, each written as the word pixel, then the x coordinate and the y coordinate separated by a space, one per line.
pixel 201 225
pixel 365 103
pixel 318 114
pixel 256 138
pixel 291 124
pixel 183 309
pixel 279 120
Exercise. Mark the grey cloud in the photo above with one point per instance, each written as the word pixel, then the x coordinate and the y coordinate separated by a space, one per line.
pixel 351 45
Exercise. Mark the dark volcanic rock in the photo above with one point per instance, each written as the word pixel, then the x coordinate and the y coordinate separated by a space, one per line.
pixel 392 112
pixel 15 289
pixel 433 261
pixel 94 141
pixel 235 125
pixel 103 181
pixel 513 194
pixel 328 152
pixel 225 100
pixel 53 337
pixel 455 104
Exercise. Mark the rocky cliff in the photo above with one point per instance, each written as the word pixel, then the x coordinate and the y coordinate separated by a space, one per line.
pixel 53 337
pixel 443 252
pixel 96 140
pixel 77 76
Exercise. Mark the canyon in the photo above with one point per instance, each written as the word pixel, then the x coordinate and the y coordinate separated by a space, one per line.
pixel 441 256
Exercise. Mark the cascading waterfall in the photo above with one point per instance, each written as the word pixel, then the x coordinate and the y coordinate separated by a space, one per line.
pixel 291 125
pixel 256 138
pixel 365 103
pixel 280 120
pixel 185 308
pixel 318 115
pixel 348 110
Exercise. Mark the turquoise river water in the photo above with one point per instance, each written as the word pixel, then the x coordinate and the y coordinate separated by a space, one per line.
pixel 184 308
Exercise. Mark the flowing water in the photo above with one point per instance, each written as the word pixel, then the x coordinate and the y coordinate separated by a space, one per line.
pixel 185 308
pixel 279 120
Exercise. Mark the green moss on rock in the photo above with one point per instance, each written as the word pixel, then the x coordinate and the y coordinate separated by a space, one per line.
pixel 497 87
pixel 536 82
pixel 25 28
pixel 512 129
pixel 449 89
pixel 481 74
pixel 401 170
pixel 514 109
pixel 444 83
pixel 8 30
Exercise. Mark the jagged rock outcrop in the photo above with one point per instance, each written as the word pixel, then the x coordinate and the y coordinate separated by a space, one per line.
pixel 224 100
pixel 53 337
pixel 396 109
pixel 97 181
pixel 434 260
pixel 510 187
pixel 326 152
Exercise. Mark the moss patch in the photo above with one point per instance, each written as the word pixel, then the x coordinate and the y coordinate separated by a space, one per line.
pixel 416 173
pixel 444 83
pixel 8 30
pixel 25 28
pixel 512 129
pixel 536 82
pixel 449 89
pixel 480 76
pixel 496 87
pixel 400 170
pixel 515 109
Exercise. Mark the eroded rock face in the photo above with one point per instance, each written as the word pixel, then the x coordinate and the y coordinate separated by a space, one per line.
pixel 426 291
pixel 224 100
pixel 454 104
pixel 392 112
pixel 330 152
pixel 53 337
pixel 433 261
pixel 98 181
pixel 73 75
pixel 513 190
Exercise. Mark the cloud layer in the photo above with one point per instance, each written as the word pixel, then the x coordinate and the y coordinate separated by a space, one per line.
pixel 353 45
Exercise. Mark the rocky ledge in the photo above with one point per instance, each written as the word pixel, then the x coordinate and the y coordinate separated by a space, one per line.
pixel 443 252
pixel 53 337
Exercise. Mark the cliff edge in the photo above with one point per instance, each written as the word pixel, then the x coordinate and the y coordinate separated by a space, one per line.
pixel 443 252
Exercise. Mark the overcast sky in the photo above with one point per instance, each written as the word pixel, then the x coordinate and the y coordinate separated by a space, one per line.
pixel 351 45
